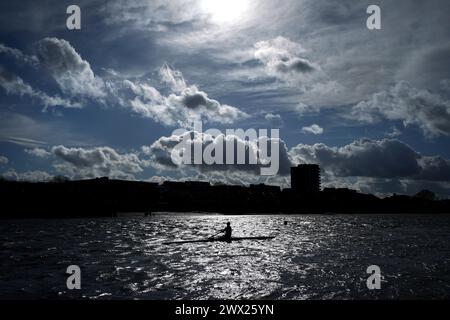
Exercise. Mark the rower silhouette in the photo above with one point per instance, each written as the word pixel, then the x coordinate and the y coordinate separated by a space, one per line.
pixel 227 230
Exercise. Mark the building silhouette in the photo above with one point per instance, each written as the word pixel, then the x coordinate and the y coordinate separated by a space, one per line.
pixel 305 178
pixel 103 197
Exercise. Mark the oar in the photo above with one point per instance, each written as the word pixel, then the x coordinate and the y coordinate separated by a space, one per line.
pixel 215 234
pixel 191 241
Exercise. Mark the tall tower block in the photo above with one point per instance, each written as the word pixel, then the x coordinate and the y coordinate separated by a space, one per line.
pixel 305 178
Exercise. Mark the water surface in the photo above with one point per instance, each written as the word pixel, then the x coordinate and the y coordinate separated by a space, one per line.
pixel 312 257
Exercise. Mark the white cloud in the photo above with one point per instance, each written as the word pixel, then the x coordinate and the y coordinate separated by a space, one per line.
pixel 387 165
pixel 283 59
pixel 96 162
pixel 38 152
pixel 3 160
pixel 428 110
pixel 14 84
pixel 174 78
pixel 186 105
pixel 32 176
pixel 394 133
pixel 275 120
pixel 73 74
pixel 302 109
pixel 183 105
pixel 313 129
pixel 18 55
pixel 160 153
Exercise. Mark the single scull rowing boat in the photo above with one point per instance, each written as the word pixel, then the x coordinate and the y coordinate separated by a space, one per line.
pixel 219 239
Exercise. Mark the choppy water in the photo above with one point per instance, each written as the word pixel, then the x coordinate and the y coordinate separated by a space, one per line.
pixel 312 257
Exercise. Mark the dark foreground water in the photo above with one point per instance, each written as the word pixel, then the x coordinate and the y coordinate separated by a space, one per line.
pixel 312 257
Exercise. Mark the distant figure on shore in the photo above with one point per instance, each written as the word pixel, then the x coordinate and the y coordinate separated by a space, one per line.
pixel 227 231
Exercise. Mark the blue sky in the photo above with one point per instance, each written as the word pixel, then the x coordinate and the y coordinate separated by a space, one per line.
pixel 372 107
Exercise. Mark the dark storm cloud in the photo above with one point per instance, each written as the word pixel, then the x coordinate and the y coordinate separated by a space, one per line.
pixel 193 101
pixel 295 64
pixel 434 169
pixel 427 67
pixel 387 158
pixel 281 55
pixel 187 103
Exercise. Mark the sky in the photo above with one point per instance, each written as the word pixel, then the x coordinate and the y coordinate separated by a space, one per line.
pixel 371 107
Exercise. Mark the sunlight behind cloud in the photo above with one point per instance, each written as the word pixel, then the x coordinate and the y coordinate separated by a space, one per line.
pixel 222 11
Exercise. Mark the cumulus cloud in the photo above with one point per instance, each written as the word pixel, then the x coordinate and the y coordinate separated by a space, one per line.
pixel 31 176
pixel 73 74
pixel 18 55
pixel 394 133
pixel 434 168
pixel 301 109
pixel 387 158
pixel 283 58
pixel 165 153
pixel 383 187
pixel 3 160
pixel 183 105
pixel 95 162
pixel 81 163
pixel 13 84
pixel 38 152
pixel 186 105
pixel 275 120
pixel 174 78
pixel 313 129
pixel 430 111
pixel 387 165
pixel 225 177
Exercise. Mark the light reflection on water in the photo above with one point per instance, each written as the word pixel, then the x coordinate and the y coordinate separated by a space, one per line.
pixel 312 257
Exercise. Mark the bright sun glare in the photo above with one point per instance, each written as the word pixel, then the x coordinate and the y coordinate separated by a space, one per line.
pixel 225 10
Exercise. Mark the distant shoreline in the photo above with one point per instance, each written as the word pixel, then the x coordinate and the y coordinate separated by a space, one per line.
pixel 205 214
pixel 111 198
